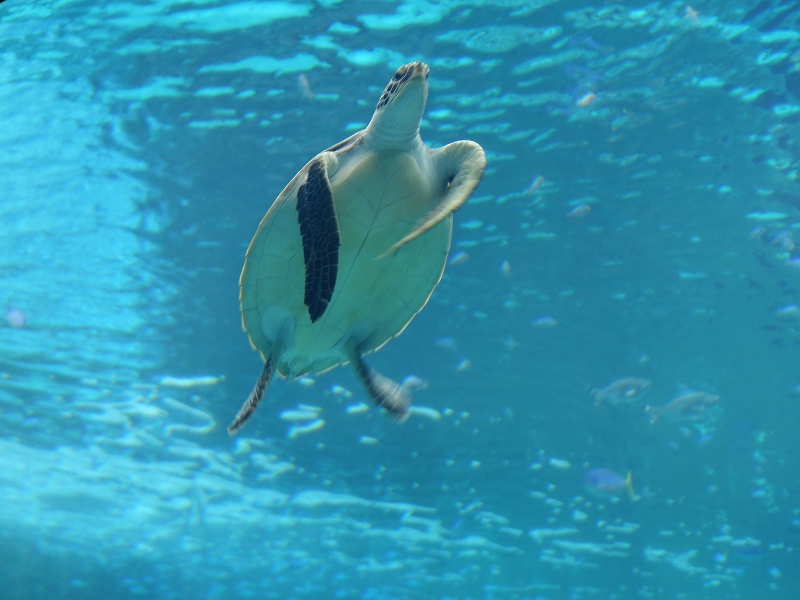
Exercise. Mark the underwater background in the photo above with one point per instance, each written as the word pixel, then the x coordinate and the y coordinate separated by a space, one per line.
pixel 622 298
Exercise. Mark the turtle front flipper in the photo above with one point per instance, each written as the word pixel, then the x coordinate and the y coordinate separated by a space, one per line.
pixel 256 396
pixel 463 164
pixel 319 229
pixel 387 393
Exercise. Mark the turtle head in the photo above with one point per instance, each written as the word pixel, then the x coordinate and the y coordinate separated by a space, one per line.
pixel 402 104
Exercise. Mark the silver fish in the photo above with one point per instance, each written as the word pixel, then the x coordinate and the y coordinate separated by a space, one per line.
pixel 621 391
pixel 686 406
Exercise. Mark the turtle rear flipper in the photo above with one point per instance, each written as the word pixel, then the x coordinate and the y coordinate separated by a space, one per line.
pixel 256 396
pixel 386 392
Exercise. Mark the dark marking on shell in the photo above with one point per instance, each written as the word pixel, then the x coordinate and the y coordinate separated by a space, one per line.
pixel 319 230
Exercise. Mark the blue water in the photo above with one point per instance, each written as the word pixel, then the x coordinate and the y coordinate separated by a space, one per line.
pixel 143 142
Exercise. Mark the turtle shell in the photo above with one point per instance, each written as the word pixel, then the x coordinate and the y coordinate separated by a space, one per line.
pixel 378 196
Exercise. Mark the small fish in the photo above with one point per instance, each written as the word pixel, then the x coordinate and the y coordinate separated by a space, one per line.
pixel 15 317
pixel 305 87
pixel 608 483
pixel 757 233
pixel 686 406
pixel 793 262
pixel 692 15
pixel 505 268
pixel 621 391
pixel 579 211
pixel 785 240
pixel 459 258
pixel 535 185
pixel 586 99
pixel 545 322
pixel 447 343
pixel 790 311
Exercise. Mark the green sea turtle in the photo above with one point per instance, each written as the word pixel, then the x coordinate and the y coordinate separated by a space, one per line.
pixel 354 245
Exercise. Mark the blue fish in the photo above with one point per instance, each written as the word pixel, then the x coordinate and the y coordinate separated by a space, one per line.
pixel 608 483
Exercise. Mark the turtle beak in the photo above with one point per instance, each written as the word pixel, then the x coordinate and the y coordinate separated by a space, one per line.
pixel 420 69
pixel 416 73
pixel 402 104
pixel 411 90
pixel 413 71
